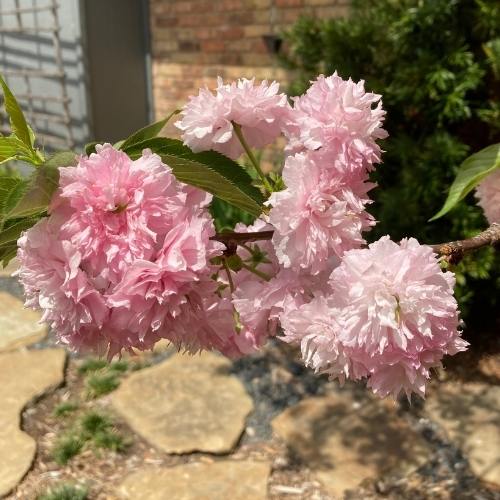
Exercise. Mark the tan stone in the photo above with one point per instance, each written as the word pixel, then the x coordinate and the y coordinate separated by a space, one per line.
pixel 18 326
pixel 222 480
pixel 470 415
pixel 344 441
pixel 186 404
pixel 24 375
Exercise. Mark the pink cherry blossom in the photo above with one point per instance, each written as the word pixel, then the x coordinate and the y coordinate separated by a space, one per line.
pixel 488 195
pixel 314 326
pixel 390 316
pixel 207 121
pixel 124 252
pixel 338 116
pixel 50 272
pixel 320 214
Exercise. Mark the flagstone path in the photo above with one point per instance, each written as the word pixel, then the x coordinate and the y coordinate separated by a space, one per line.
pixel 186 404
pixel 263 427
pixel 18 326
pixel 24 375
pixel 345 440
pixel 222 480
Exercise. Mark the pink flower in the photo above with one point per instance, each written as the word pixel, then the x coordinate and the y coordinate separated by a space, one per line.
pixel 120 208
pixel 207 121
pixel 390 316
pixel 125 251
pixel 54 282
pixel 488 194
pixel 320 214
pixel 315 328
pixel 153 295
pixel 339 116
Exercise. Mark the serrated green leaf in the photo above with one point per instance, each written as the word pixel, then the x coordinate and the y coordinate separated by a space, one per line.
pixel 148 132
pixel 17 120
pixel 11 234
pixel 209 170
pixel 41 186
pixel 11 191
pixel 12 148
pixel 470 173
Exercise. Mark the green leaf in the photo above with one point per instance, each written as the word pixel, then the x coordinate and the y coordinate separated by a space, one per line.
pixel 7 253
pixel 17 121
pixel 470 173
pixel 11 191
pixel 210 171
pixel 11 234
pixel 90 147
pixel 12 148
pixel 148 132
pixel 42 185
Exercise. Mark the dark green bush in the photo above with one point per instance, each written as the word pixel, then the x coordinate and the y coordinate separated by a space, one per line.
pixel 437 65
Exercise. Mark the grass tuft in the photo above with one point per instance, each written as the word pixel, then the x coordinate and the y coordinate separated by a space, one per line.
pixel 92 365
pixel 94 422
pixel 65 492
pixel 111 439
pixel 66 448
pixel 65 408
pixel 120 366
pixel 99 384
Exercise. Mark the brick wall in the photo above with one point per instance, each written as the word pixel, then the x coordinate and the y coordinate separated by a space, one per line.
pixel 194 41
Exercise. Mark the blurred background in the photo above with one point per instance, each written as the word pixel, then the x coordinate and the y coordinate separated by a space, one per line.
pixel 87 70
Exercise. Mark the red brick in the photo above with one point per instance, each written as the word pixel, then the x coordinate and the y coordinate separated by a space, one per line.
pixel 194 41
pixel 212 46
pixel 288 3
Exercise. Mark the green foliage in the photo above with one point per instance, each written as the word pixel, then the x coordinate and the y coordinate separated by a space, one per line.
pixel 100 383
pixel 436 64
pixel 111 439
pixel 470 173
pixel 92 365
pixel 209 170
pixel 92 429
pixel 67 447
pixel 24 201
pixel 65 492
pixel 120 366
pixel 99 429
pixel 149 132
pixel 65 408
pixel 226 216
pixel 94 422
pixel 21 144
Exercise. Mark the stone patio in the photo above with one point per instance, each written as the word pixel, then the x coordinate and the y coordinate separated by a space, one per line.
pixel 192 415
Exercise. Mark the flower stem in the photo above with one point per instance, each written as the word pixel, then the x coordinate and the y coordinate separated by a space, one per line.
pixel 255 271
pixel 251 157
pixel 229 277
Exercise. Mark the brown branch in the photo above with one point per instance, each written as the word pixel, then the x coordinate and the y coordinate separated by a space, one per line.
pixel 452 251
pixel 231 237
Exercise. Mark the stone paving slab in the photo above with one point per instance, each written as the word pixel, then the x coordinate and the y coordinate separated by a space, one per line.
pixel 186 404
pixel 343 440
pixel 18 326
pixel 222 480
pixel 470 415
pixel 24 375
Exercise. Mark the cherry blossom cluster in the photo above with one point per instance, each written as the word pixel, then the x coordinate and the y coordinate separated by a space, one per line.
pixel 127 255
